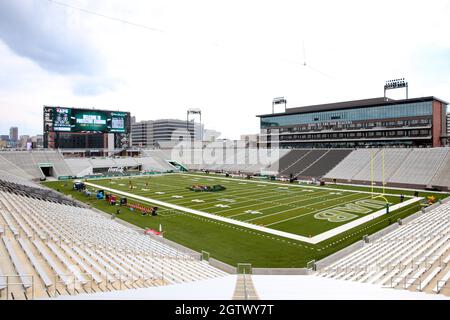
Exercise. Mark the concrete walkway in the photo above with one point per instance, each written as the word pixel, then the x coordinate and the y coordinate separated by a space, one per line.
pixel 245 290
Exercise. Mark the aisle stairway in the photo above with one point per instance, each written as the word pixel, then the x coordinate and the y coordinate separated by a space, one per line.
pixel 245 290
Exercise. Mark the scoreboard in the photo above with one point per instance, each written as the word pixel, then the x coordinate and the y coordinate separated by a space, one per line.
pixel 60 119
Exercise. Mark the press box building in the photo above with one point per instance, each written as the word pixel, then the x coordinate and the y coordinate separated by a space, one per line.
pixel 377 122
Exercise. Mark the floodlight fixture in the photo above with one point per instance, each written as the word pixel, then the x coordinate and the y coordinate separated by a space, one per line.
pixel 194 111
pixel 278 100
pixel 396 84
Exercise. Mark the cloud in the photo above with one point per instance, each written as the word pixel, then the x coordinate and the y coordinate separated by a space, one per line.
pixel 39 31
pixel 95 86
pixel 51 54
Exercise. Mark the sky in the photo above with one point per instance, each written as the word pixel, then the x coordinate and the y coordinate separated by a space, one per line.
pixel 158 58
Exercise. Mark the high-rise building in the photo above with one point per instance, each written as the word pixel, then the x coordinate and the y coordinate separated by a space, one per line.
pixel 14 134
pixel 23 140
pixel 153 133
pixel 142 134
pixel 37 141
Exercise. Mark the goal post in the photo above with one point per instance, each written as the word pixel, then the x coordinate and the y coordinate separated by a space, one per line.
pixel 382 171
pixel 372 173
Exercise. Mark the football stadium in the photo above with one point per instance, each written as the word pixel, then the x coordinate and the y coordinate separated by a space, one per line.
pixel 344 200
pixel 162 223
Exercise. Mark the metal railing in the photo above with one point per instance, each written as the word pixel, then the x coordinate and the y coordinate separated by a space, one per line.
pixel 12 280
pixel 73 285
pixel 442 284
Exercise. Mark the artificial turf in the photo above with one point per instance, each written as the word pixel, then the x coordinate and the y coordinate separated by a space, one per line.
pixel 234 244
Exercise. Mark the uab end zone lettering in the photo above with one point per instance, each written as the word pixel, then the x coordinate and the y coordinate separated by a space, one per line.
pixel 343 213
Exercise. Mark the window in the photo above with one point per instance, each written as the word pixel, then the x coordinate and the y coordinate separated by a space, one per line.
pixel 416 109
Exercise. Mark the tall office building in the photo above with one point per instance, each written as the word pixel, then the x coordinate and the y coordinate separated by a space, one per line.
pixel 153 133
pixel 14 134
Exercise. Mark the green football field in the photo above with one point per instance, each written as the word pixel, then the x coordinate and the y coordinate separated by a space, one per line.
pixel 294 209
pixel 303 210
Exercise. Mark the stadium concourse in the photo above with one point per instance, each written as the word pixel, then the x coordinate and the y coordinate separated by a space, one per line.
pixel 53 246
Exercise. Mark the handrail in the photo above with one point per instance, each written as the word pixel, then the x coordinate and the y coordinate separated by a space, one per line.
pixel 245 286
pixel 9 283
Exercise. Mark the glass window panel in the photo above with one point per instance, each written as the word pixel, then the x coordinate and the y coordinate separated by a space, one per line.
pixel 369 113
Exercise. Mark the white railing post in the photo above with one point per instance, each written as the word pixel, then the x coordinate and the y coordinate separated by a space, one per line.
pixel 32 287
pixel 245 286
pixel 56 283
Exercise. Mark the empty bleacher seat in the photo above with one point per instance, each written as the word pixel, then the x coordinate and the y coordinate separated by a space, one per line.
pixel 414 253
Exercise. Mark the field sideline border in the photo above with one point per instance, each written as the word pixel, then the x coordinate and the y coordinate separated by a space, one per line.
pixel 313 240
pixel 324 190
pixel 299 185
pixel 387 187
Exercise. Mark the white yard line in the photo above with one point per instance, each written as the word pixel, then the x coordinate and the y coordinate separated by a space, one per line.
pixel 240 193
pixel 229 192
pixel 379 187
pixel 312 204
pixel 264 201
pixel 303 186
pixel 314 211
pixel 312 240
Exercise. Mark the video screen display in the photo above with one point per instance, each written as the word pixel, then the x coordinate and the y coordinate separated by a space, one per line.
pixel 82 120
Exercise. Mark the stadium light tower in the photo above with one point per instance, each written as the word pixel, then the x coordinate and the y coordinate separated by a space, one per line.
pixel 396 84
pixel 194 111
pixel 278 100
